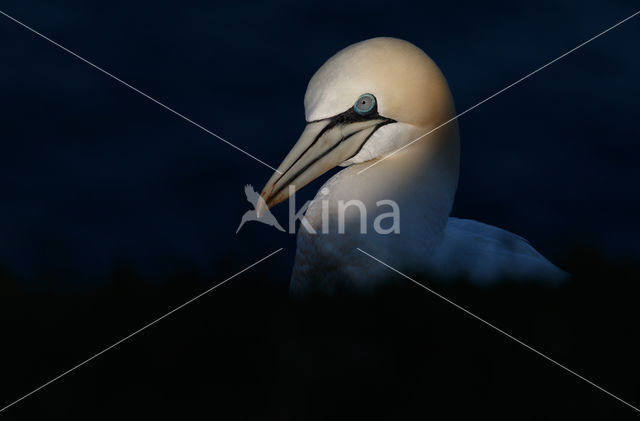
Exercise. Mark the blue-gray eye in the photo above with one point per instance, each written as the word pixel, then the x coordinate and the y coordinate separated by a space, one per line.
pixel 365 104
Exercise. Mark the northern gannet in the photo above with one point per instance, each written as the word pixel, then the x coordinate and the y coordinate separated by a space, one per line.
pixel 365 102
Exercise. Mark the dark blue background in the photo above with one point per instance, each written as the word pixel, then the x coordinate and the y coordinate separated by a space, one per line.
pixel 102 188
pixel 93 175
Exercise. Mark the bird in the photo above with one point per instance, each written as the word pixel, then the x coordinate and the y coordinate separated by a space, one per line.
pixel 266 217
pixel 382 110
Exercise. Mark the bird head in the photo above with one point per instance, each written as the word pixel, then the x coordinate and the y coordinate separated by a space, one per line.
pixel 364 103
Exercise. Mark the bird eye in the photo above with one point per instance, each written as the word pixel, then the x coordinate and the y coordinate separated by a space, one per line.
pixel 365 104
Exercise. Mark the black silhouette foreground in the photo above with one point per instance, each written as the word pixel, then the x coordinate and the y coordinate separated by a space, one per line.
pixel 248 351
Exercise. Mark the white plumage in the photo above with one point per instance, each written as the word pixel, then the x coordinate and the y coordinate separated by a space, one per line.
pixel 404 95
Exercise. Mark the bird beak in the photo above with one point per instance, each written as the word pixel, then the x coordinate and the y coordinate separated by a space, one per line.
pixel 322 146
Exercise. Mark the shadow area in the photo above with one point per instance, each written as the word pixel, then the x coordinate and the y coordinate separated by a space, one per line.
pixel 247 350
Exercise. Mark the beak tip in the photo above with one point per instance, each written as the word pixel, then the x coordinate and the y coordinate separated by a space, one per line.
pixel 262 207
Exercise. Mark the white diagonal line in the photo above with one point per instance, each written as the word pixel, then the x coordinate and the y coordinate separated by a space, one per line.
pixel 137 331
pixel 499 330
pixel 499 92
pixel 138 91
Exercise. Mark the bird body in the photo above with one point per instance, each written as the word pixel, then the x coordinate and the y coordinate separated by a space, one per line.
pixel 399 143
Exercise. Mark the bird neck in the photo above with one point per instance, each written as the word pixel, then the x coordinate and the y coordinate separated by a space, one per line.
pixel 421 180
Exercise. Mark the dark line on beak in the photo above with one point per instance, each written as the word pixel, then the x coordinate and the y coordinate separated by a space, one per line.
pixel 384 123
pixel 349 116
pixel 329 126
pixel 325 153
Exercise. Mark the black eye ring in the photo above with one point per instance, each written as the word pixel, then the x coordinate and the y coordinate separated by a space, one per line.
pixel 365 104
